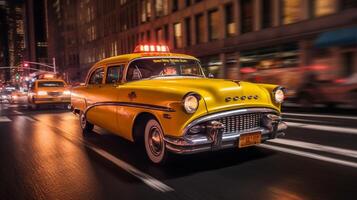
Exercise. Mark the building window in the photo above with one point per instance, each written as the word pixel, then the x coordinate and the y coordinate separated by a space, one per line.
pixel 187 3
pixel 213 24
pixel 230 23
pixel 178 35
pixel 166 33
pixel 188 31
pixel 266 13
pixel 200 28
pixel 145 10
pixel 346 4
pixel 161 8
pixel 292 11
pixel 324 7
pixel 160 35
pixel 247 16
pixel 175 5
pixel 148 36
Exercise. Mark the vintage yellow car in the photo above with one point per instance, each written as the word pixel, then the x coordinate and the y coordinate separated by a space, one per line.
pixel 48 91
pixel 165 102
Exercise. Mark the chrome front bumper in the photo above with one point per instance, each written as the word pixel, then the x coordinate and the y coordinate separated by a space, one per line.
pixel 213 138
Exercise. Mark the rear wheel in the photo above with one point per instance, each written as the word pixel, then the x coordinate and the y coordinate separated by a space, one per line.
pixel 85 125
pixel 154 142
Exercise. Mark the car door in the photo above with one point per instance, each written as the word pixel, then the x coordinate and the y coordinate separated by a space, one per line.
pixel 95 83
pixel 109 93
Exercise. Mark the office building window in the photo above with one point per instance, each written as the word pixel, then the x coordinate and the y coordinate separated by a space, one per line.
pixel 145 11
pixel 161 8
pixel 175 5
pixel 160 36
pixel 188 31
pixel 266 13
pixel 230 23
pixel 346 4
pixel 247 16
pixel 213 24
pixel 324 7
pixel 166 33
pixel 148 36
pixel 200 28
pixel 178 35
pixel 292 11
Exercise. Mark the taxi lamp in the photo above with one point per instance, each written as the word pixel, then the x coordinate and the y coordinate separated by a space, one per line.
pixel 142 48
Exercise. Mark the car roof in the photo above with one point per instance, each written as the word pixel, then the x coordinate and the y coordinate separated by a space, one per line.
pixel 132 56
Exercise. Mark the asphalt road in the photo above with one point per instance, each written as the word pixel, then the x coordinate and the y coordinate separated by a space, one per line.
pixel 44 155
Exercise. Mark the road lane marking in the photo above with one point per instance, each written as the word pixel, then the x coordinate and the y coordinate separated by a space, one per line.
pixel 302 120
pixel 18 112
pixel 322 116
pixel 318 147
pixel 323 128
pixel 29 118
pixel 4 119
pixel 147 179
pixel 310 155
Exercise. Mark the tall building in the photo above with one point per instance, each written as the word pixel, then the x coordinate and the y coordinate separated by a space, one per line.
pixel 231 37
pixel 12 37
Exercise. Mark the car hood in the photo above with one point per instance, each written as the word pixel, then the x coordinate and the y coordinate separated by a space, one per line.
pixel 218 94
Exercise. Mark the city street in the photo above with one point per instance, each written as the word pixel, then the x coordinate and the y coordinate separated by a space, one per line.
pixel 44 155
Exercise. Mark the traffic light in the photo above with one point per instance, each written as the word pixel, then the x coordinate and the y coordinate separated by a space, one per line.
pixel 17 76
pixel 26 64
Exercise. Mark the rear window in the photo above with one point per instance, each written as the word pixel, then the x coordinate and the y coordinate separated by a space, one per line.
pixel 50 84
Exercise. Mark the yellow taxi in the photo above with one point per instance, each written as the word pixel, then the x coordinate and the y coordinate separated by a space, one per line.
pixel 49 90
pixel 165 102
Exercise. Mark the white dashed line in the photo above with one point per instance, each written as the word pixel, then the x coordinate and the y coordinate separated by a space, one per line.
pixel 323 128
pixel 318 147
pixel 4 119
pixel 310 155
pixel 322 116
pixel 18 112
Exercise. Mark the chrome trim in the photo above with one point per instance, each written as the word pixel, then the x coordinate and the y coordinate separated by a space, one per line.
pixel 215 116
pixel 128 104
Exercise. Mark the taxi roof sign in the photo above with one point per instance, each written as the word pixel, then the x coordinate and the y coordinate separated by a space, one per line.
pixel 142 48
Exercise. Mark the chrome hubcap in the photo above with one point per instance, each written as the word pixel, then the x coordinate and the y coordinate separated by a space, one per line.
pixel 155 141
pixel 83 121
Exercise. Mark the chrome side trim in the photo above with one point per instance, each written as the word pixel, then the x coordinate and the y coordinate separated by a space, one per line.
pixel 215 116
pixel 128 104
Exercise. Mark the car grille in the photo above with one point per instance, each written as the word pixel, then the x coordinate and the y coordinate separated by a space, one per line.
pixel 54 94
pixel 241 123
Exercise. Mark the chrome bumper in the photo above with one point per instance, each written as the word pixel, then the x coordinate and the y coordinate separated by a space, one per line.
pixel 213 138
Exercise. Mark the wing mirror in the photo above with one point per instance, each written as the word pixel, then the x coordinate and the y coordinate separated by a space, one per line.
pixel 210 75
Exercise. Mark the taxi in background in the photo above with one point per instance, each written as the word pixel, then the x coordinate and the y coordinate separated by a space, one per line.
pixel 49 90
pixel 165 102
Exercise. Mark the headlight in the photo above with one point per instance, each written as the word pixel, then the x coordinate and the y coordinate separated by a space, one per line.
pixel 190 103
pixel 41 93
pixel 67 92
pixel 279 94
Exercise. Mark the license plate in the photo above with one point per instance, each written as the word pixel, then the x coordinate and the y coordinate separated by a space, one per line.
pixel 249 139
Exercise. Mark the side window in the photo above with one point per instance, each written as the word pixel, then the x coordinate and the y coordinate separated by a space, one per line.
pixel 97 77
pixel 114 74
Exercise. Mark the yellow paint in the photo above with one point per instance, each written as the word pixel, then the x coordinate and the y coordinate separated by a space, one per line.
pixel 33 94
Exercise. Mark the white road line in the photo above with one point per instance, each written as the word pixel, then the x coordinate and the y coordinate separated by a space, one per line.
pixel 310 155
pixel 323 128
pixel 29 118
pixel 302 120
pixel 318 147
pixel 13 106
pixel 18 112
pixel 147 179
pixel 322 116
pixel 4 119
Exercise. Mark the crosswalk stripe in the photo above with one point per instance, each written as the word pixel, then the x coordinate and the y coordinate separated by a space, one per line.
pixel 318 147
pixel 4 119
pixel 323 128
pixel 322 116
pixel 310 155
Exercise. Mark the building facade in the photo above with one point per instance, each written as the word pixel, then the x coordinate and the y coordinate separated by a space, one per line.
pixel 232 38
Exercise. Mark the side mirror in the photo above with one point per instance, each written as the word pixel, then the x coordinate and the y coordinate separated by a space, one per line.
pixel 210 75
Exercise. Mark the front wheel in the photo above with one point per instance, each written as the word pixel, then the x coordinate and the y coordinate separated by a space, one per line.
pixel 154 142
pixel 85 125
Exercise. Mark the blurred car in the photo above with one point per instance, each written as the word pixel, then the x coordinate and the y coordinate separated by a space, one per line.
pixel 330 93
pixel 49 91
pixel 5 96
pixel 165 102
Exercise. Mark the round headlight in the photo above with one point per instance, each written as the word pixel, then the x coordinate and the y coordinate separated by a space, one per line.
pixel 190 103
pixel 279 95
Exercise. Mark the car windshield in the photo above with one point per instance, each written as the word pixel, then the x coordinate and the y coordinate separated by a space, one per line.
pixel 163 67
pixel 50 84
